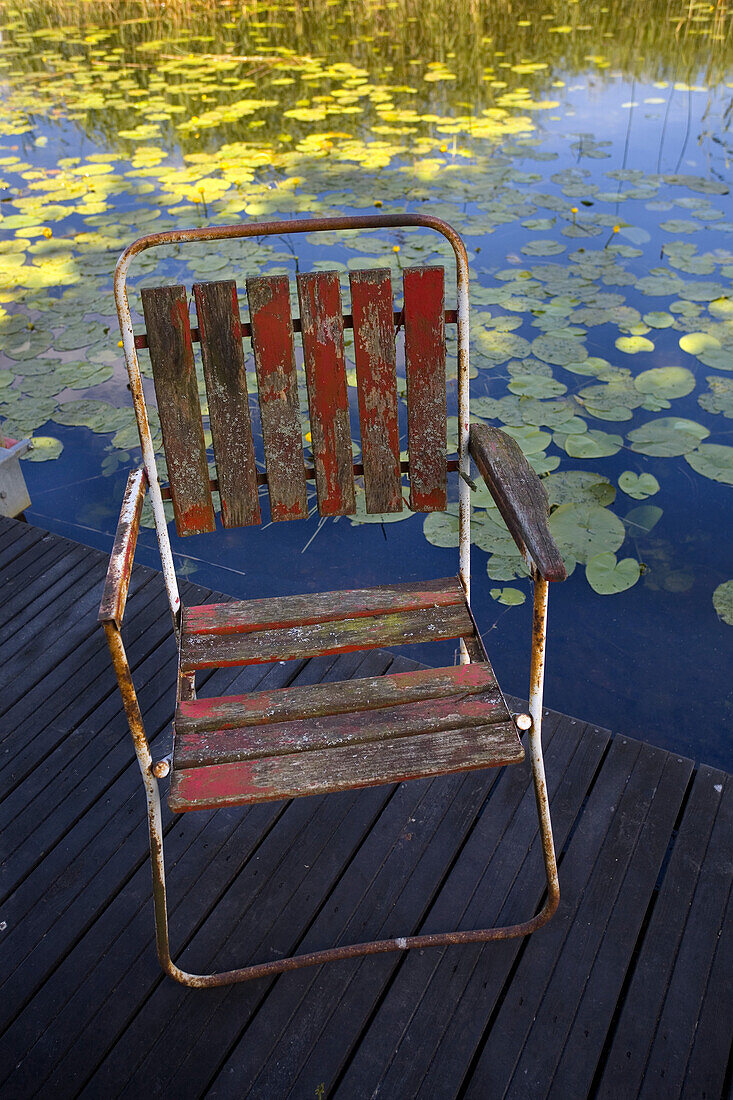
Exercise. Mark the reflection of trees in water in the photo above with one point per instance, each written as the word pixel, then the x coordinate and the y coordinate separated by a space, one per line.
pixel 478 41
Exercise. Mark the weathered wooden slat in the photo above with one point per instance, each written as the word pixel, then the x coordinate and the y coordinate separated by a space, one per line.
pixel 519 494
pixel 376 373
pixel 304 735
pixel 272 343
pixel 176 390
pixel 119 570
pixel 218 651
pixel 226 388
pixel 426 398
pixel 317 700
pixel 451 317
pixel 334 769
pixel 242 616
pixel 322 332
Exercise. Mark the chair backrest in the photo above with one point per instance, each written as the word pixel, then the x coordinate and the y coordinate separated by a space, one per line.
pixel 271 330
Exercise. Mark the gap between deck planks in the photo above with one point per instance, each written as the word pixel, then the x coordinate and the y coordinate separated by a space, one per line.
pixel 626 993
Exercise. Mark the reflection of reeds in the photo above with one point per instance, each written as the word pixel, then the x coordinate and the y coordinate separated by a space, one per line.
pixel 668 40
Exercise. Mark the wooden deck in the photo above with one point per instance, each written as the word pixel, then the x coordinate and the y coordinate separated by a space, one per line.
pixel 626 993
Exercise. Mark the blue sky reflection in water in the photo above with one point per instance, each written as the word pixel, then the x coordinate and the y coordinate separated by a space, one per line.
pixel 585 157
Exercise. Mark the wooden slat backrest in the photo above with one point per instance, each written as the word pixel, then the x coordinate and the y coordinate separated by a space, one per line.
pixel 222 353
pixel 374 346
pixel 322 330
pixel 176 390
pixel 322 327
pixel 426 381
pixel 272 341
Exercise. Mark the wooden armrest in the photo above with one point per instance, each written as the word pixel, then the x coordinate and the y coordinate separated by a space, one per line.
pixel 114 597
pixel 520 496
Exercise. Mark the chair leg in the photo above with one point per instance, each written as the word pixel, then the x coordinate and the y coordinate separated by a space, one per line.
pixel 315 958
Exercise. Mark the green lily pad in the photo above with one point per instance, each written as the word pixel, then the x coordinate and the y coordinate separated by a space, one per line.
pixel 638 486
pixel 666 382
pixel 723 601
pixel 719 398
pixel 632 345
pixel 667 437
pixel 533 385
pixel 695 342
pixel 718 358
pixel 559 350
pixel 578 487
pixel 507 567
pixel 658 319
pixel 530 439
pixel 441 529
pixel 584 530
pixel 542 248
pixel 45 447
pixel 511 597
pixel 713 460
pixel 608 576
pixel 591 444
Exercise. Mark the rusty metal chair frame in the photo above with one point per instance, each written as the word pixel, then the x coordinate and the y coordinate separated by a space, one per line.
pixel 115 594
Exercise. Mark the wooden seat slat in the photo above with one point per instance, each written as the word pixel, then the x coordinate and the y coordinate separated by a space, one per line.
pixel 343 636
pixel 332 769
pixel 274 354
pixel 199 716
pixel 376 374
pixel 195 750
pixel 225 372
pixel 426 381
pixel 242 616
pixel 176 390
pixel 322 332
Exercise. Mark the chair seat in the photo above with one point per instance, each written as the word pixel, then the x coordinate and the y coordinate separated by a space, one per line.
pixel 294 627
pixel 336 736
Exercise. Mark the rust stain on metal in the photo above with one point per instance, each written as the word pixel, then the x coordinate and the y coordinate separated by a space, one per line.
pixel 119 571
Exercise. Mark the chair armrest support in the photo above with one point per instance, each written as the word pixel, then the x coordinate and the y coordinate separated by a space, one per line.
pixel 519 495
pixel 114 597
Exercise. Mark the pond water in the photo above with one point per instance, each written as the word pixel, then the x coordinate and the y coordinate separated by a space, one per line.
pixel 584 153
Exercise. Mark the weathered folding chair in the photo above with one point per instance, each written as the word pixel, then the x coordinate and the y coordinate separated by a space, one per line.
pixel 305 740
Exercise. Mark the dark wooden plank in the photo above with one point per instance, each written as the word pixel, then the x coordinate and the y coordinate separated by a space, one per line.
pixel 243 616
pixel 426 383
pixel 519 494
pixel 497 877
pixel 363 693
pixel 217 650
pixel 176 390
pixel 339 730
pixel 39 571
pixel 225 372
pixel 272 343
pixel 386 890
pixel 376 374
pixel 354 762
pixel 654 969
pixel 665 1071
pixel 322 333
pixel 567 1036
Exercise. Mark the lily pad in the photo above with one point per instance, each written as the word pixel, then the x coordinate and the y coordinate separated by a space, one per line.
pixel 667 437
pixel 719 398
pixel 713 460
pixel 511 597
pixel 578 487
pixel 666 382
pixel 542 248
pixel 591 444
pixel 44 447
pixel 632 345
pixel 441 529
pixel 608 576
pixel 584 530
pixel 695 342
pixel 638 486
pixel 723 601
